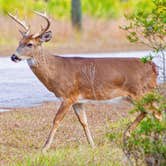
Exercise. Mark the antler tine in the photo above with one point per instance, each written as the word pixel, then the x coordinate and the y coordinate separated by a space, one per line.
pixel 43 15
pixel 22 23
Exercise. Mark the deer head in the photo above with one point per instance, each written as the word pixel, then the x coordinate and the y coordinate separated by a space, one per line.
pixel 30 43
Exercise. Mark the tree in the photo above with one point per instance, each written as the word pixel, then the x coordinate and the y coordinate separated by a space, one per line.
pixel 76 14
pixel 149 28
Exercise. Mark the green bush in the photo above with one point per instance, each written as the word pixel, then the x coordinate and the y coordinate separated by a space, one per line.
pixel 148 142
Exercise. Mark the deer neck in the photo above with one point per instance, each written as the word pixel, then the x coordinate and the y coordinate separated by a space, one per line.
pixel 37 58
pixel 40 66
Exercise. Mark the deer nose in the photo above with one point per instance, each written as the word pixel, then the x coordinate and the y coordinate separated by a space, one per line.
pixel 15 58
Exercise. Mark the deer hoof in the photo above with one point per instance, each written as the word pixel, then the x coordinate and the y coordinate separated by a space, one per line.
pixel 127 134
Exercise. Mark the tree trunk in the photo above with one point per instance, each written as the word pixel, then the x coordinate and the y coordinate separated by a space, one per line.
pixel 76 14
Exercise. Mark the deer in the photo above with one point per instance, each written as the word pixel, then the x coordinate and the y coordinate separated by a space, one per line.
pixel 78 80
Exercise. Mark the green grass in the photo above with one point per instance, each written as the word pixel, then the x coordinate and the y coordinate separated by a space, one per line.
pixel 62 8
pixel 82 155
pixel 108 151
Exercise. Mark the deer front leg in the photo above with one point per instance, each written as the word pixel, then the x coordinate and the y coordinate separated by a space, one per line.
pixel 81 115
pixel 66 104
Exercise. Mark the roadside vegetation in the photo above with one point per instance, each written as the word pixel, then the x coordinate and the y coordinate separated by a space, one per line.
pixel 61 8
pixel 147 143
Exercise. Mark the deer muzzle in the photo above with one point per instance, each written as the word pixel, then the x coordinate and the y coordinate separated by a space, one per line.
pixel 15 58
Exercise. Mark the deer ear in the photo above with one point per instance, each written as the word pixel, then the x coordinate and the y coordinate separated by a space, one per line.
pixel 45 37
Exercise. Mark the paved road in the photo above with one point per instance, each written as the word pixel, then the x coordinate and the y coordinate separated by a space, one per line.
pixel 20 88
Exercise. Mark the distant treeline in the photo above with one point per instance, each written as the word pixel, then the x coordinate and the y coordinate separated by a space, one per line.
pixel 61 8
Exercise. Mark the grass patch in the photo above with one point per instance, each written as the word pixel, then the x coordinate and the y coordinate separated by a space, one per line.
pixel 24 131
pixel 108 151
pixel 77 156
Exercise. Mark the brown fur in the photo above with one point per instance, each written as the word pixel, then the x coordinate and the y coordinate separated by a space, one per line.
pixel 96 78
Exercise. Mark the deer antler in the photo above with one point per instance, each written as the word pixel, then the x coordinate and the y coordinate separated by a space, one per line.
pixel 22 23
pixel 43 15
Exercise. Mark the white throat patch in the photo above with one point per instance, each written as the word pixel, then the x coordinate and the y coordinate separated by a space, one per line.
pixel 31 62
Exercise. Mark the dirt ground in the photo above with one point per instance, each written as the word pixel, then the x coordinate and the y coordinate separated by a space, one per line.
pixel 23 131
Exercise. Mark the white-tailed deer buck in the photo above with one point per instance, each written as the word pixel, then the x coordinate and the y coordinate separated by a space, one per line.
pixel 75 79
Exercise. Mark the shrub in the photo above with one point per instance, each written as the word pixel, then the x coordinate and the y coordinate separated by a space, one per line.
pixel 147 144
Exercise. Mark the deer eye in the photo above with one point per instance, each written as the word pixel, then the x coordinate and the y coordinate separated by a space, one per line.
pixel 29 45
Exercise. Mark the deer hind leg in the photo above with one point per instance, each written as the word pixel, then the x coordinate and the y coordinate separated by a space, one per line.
pixel 58 118
pixel 137 120
pixel 134 124
pixel 81 115
pixel 142 115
